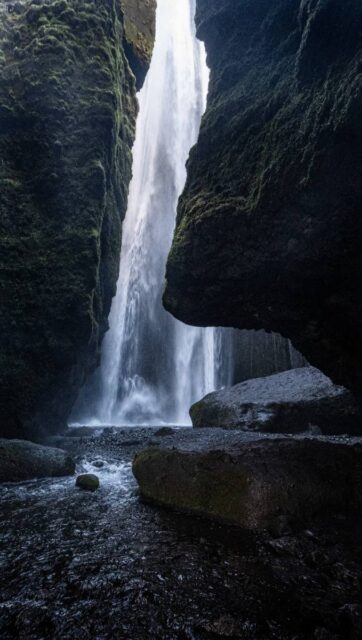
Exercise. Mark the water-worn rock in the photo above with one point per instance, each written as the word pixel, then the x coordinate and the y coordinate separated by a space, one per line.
pixel 98 464
pixel 269 228
pixel 289 402
pixel 254 483
pixel 87 482
pixel 67 121
pixel 21 460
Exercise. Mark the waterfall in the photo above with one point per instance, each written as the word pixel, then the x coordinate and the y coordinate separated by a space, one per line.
pixel 154 367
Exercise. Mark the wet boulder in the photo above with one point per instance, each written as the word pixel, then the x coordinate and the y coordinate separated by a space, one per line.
pixel 21 460
pixel 255 482
pixel 290 402
pixel 98 464
pixel 87 482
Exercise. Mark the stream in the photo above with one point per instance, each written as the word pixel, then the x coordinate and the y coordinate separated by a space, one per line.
pixel 77 565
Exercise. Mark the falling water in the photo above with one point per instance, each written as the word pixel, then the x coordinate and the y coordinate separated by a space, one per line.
pixel 154 367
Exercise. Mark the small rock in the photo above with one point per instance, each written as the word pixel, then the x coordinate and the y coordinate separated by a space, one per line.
pixel 165 431
pixel 310 534
pixel 283 546
pixel 87 482
pixel 99 464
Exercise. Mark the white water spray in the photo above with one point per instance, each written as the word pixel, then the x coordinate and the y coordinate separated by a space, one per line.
pixel 154 367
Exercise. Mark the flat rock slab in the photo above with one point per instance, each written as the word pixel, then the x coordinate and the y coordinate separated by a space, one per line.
pixel 22 460
pixel 290 402
pixel 254 483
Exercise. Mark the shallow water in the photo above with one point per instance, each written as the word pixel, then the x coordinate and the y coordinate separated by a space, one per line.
pixel 105 565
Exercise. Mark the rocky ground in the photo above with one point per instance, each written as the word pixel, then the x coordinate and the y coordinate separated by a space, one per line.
pixel 103 565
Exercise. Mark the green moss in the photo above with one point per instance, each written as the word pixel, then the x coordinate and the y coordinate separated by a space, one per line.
pixel 67 122
pixel 139 30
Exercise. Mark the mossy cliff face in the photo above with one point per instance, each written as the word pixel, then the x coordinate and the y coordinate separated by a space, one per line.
pixel 67 121
pixel 139 26
pixel 269 228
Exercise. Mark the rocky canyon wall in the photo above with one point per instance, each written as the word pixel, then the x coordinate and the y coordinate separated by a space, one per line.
pixel 269 227
pixel 68 79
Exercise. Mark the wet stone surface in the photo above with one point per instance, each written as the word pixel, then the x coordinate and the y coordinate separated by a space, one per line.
pixel 79 565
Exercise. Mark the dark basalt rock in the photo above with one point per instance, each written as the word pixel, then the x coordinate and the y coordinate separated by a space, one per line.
pixel 253 484
pixel 21 460
pixel 67 121
pixel 269 228
pixel 289 402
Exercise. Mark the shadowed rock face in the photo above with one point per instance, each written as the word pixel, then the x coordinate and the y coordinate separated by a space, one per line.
pixel 289 402
pixel 269 226
pixel 251 484
pixel 67 121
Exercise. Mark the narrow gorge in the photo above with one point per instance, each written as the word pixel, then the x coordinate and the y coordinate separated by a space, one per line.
pixel 180 349
pixel 153 368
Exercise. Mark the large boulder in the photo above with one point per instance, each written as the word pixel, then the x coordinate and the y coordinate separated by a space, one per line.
pixel 269 227
pixel 288 402
pixel 254 484
pixel 67 121
pixel 21 460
